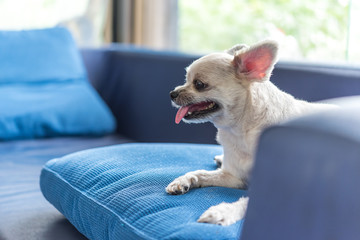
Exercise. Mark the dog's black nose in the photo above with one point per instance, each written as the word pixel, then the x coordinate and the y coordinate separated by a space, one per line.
pixel 174 94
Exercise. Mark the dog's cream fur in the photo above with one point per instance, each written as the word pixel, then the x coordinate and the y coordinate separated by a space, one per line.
pixel 238 82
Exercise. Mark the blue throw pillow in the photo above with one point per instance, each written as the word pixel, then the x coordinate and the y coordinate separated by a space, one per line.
pixel 37 56
pixel 44 90
pixel 118 192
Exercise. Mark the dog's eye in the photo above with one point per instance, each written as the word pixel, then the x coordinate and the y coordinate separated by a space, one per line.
pixel 199 85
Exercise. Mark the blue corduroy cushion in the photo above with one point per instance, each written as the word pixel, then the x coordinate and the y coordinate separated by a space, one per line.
pixel 118 192
pixel 44 89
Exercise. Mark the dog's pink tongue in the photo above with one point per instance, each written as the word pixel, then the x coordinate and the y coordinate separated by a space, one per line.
pixel 181 114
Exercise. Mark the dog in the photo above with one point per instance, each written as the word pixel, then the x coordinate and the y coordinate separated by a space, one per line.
pixel 232 90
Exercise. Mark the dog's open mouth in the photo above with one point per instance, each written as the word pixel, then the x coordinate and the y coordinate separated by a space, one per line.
pixel 196 110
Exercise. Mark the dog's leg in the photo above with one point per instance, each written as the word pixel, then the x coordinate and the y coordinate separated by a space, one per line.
pixel 203 178
pixel 218 159
pixel 225 213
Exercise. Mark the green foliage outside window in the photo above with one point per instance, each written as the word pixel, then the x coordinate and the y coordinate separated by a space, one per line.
pixel 315 30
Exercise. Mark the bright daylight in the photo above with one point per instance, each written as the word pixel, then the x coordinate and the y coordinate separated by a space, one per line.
pixel 179 119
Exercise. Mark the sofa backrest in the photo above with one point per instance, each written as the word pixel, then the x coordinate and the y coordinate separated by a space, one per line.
pixel 136 83
pixel 315 82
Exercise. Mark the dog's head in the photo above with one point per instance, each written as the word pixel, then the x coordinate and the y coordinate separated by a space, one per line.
pixel 217 85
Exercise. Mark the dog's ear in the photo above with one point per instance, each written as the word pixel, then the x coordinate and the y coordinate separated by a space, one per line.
pixel 236 48
pixel 257 62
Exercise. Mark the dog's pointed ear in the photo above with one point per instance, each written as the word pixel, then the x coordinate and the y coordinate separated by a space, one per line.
pixel 257 62
pixel 236 48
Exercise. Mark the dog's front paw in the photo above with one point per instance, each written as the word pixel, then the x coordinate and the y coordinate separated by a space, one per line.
pixel 181 184
pixel 225 213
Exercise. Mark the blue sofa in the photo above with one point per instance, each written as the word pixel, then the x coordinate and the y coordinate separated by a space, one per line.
pixel 134 83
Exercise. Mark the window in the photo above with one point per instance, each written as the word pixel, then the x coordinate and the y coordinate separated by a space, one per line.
pixel 316 30
pixel 22 14
pixel 311 30
pixel 85 18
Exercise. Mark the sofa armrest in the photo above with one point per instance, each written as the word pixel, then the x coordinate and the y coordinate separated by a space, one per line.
pixel 304 182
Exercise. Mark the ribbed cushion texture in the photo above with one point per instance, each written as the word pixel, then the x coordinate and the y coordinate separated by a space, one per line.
pixel 44 89
pixel 118 192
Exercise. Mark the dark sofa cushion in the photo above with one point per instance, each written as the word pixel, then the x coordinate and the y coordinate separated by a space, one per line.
pixel 118 192
pixel 44 90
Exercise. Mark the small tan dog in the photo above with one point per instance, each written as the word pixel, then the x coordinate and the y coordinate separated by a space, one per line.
pixel 232 90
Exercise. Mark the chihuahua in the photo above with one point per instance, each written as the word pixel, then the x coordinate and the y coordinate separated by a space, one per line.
pixel 232 90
